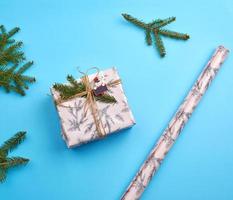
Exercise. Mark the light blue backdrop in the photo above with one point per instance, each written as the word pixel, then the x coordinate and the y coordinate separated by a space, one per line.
pixel 61 35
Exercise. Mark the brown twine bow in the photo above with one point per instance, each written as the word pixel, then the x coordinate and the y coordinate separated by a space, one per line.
pixel 90 100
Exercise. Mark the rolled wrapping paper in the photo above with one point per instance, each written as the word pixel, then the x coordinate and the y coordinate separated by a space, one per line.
pixel 171 133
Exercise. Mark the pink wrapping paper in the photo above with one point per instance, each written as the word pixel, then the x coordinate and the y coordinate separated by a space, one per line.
pixel 78 128
pixel 171 133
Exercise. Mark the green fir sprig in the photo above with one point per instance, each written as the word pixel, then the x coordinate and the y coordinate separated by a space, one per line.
pixel 9 162
pixel 11 58
pixel 155 28
pixel 14 80
pixel 67 91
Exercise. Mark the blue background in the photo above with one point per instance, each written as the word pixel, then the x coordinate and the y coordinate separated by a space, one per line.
pixel 61 35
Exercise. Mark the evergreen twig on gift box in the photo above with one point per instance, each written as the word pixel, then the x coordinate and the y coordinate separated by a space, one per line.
pixel 67 91
pixel 154 28
pixel 11 57
pixel 9 162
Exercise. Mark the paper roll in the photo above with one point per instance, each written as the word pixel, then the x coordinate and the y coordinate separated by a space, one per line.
pixel 171 133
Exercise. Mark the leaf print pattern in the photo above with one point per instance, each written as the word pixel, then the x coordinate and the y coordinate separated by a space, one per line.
pixel 89 127
pixel 77 118
pixel 126 107
pixel 139 183
pixel 168 139
pixel 164 144
pixel 119 117
pixel 106 117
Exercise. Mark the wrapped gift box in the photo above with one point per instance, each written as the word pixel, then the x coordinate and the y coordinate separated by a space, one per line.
pixel 77 121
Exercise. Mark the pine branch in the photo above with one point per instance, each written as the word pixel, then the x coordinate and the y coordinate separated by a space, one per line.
pixel 12 80
pixel 6 162
pixel 148 37
pixel 5 38
pixel 163 23
pixel 2 155
pixel 2 175
pixel 159 44
pixel 156 21
pixel 13 161
pixel 67 91
pixel 13 32
pixel 11 57
pixel 154 27
pixel 12 143
pixel 135 21
pixel 173 34
pixel 9 49
pixel 105 98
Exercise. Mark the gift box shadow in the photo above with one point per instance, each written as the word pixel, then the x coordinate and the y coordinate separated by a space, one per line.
pixel 103 144
pixel 52 123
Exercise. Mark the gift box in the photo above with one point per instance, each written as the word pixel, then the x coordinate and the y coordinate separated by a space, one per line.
pixel 92 107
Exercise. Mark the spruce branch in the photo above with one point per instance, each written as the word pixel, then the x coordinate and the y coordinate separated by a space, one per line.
pixel 159 44
pixel 105 98
pixel 2 175
pixel 11 58
pixel 135 21
pixel 13 162
pixel 14 80
pixel 148 37
pixel 155 28
pixel 163 23
pixel 10 50
pixel 156 21
pixel 67 91
pixel 12 143
pixel 9 162
pixel 173 34
pixel 2 155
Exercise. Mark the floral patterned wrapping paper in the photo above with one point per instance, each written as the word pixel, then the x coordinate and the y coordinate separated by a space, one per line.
pixel 78 128
pixel 171 133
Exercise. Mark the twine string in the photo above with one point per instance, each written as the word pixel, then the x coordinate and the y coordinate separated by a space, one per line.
pixel 90 100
